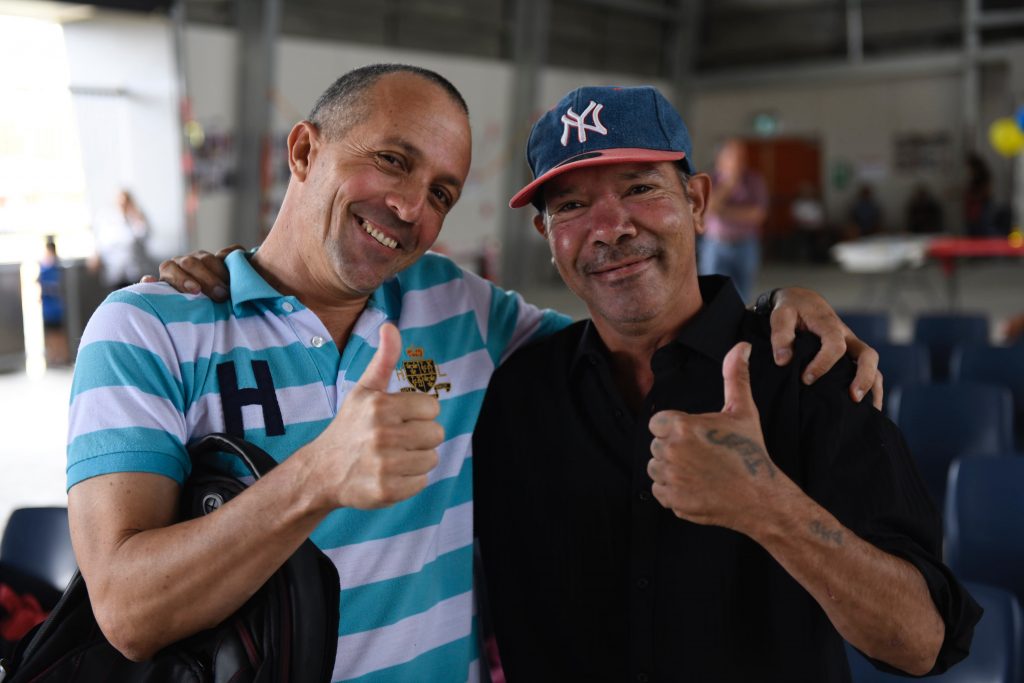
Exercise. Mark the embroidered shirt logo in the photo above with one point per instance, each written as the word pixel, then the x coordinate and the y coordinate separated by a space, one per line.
pixel 579 121
pixel 421 373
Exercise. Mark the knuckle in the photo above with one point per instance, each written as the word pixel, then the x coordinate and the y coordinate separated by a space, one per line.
pixel 377 402
pixel 438 433
pixel 379 440
pixel 834 337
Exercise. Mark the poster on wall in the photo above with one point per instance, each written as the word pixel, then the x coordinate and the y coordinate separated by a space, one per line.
pixel 919 152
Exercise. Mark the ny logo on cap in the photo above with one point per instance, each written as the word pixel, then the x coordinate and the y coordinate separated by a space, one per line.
pixel 578 121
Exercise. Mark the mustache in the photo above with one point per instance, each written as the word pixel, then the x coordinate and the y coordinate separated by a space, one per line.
pixel 606 256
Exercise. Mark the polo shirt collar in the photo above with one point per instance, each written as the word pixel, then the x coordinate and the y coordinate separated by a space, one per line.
pixel 246 284
pixel 712 332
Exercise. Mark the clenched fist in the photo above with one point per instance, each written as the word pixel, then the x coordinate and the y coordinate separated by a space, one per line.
pixel 381 446
pixel 713 468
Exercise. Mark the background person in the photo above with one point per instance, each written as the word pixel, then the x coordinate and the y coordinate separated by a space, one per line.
pixel 121 243
pixel 51 286
pixel 865 217
pixel 924 213
pixel 736 215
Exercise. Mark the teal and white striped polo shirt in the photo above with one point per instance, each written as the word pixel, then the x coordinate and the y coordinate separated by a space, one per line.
pixel 157 369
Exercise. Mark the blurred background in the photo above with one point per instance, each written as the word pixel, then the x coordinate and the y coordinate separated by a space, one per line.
pixel 886 134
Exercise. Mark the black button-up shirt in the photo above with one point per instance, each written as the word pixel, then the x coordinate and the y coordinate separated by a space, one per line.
pixel 590 579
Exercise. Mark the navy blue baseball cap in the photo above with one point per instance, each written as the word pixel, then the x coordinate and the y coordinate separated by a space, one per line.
pixel 604 125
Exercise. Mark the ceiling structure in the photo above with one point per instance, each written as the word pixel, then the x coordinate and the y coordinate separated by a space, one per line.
pixel 653 38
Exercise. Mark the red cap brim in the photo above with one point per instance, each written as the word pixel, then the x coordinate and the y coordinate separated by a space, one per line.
pixel 597 158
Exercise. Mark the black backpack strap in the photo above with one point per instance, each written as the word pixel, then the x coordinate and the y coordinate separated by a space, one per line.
pixel 255 459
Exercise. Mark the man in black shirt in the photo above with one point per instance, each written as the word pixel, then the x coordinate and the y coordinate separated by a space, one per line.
pixel 774 518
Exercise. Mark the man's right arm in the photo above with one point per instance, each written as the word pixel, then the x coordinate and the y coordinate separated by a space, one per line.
pixel 153 580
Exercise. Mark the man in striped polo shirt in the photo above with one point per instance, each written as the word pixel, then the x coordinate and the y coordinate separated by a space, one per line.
pixel 372 428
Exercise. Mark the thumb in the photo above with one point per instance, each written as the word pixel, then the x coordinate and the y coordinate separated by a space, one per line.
pixel 378 372
pixel 736 380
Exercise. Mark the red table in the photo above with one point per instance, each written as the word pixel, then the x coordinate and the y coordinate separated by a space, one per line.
pixel 949 250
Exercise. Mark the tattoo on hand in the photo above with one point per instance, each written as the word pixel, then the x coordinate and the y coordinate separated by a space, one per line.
pixel 753 455
pixel 826 534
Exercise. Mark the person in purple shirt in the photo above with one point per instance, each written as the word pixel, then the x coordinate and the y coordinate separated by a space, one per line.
pixel 736 212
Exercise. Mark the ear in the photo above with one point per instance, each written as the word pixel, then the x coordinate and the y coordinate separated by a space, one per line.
pixel 699 189
pixel 538 223
pixel 303 141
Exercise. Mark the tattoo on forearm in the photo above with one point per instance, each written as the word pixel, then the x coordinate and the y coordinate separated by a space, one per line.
pixel 752 454
pixel 826 534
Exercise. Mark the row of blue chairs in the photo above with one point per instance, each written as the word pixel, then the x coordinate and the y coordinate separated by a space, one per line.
pixel 943 422
pixel 905 364
pixel 984 530
pixel 940 333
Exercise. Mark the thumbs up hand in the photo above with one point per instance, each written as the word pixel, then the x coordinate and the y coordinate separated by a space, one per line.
pixel 713 468
pixel 380 447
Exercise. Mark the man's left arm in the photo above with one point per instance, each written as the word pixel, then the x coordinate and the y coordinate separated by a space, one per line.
pixel 714 469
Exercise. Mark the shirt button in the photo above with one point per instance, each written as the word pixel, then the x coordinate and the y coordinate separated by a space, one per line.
pixel 642 584
pixel 287 307
pixel 317 341
pixel 642 678
pixel 644 496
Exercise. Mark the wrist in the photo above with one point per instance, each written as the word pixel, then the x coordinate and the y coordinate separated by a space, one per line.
pixel 310 497
pixel 774 516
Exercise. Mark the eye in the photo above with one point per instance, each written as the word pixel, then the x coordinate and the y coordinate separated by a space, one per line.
pixel 391 159
pixel 567 206
pixel 442 195
pixel 639 189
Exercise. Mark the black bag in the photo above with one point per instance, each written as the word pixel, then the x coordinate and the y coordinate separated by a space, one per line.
pixel 288 630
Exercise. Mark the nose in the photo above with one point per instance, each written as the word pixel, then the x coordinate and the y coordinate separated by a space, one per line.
pixel 610 221
pixel 406 201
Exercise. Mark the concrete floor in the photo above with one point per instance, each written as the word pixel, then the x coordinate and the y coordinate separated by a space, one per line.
pixel 34 408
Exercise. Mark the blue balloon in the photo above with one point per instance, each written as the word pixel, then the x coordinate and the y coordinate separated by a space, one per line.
pixel 1020 117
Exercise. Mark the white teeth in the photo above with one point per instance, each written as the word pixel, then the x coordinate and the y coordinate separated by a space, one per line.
pixel 378 235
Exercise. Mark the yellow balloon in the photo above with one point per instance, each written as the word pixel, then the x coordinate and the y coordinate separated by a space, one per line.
pixel 1006 136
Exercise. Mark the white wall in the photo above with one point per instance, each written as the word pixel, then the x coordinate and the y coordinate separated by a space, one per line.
pixel 855 123
pixel 130 140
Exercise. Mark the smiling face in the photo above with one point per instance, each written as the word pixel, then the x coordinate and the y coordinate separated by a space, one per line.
pixel 380 192
pixel 622 237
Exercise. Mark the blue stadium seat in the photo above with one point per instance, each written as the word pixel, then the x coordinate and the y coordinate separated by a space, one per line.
pixel 995 651
pixel 903 364
pixel 984 524
pixel 37 541
pixel 942 332
pixel 995 365
pixel 942 422
pixel 871 327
